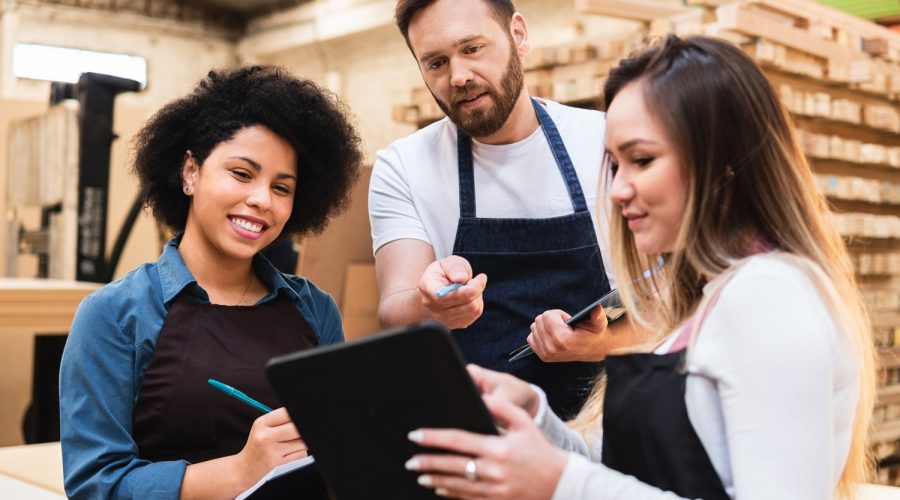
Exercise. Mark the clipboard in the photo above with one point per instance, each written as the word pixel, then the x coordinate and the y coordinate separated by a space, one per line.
pixel 355 403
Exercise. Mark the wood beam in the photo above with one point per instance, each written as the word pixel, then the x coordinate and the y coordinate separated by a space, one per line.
pixel 637 10
pixel 311 23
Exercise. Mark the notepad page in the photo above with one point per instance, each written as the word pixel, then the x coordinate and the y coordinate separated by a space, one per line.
pixel 276 472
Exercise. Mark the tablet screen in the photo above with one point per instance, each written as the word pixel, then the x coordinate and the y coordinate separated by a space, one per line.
pixel 355 403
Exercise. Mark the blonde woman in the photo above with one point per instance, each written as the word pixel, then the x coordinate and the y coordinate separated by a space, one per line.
pixel 761 382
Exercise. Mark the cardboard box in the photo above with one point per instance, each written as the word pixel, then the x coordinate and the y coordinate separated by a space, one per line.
pixel 360 301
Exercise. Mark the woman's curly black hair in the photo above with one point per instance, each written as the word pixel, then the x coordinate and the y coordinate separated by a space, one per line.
pixel 310 119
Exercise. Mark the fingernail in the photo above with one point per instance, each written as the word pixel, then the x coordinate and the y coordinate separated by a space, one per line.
pixel 413 464
pixel 416 436
pixel 425 480
pixel 441 492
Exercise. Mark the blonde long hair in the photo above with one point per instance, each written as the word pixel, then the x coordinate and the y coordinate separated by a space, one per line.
pixel 747 180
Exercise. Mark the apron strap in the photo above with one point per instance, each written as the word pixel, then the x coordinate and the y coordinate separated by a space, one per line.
pixel 466 175
pixel 561 154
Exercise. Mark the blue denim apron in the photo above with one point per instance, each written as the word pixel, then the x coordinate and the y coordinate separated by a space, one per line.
pixel 532 265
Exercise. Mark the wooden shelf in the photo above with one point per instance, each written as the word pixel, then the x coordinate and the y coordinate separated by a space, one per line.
pixel 861 128
pixel 867 244
pixel 873 278
pixel 885 318
pixel 847 130
pixel 586 103
pixel 876 171
pixel 424 122
pixel 635 10
pixel 889 394
pixel 889 357
pixel 811 13
pixel 887 431
pixel 841 89
pixel 841 205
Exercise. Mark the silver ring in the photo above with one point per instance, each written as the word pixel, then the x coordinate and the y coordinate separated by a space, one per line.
pixel 471 471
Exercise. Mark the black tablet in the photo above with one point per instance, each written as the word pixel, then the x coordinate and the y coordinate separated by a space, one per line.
pixel 355 403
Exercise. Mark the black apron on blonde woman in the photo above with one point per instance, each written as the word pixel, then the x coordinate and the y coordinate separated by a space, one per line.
pixel 646 430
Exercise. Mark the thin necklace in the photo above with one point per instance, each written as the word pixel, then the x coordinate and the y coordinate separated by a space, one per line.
pixel 249 280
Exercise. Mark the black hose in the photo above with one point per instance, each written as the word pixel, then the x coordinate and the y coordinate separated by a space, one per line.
pixel 122 238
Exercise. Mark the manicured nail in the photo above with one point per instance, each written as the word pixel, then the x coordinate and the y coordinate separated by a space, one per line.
pixel 416 436
pixel 425 480
pixel 413 464
pixel 441 492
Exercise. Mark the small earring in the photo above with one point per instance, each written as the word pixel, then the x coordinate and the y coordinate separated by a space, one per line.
pixel 187 190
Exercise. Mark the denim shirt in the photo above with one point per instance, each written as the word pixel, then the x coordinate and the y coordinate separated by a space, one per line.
pixel 112 339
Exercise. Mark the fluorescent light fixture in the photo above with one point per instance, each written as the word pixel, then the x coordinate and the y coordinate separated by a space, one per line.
pixel 59 64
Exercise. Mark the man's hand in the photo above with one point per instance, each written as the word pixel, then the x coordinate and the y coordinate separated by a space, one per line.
pixel 591 340
pixel 459 308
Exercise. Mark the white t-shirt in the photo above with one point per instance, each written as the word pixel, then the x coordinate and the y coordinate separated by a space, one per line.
pixel 414 190
pixel 771 391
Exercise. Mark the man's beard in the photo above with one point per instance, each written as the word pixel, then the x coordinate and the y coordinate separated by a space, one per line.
pixel 484 122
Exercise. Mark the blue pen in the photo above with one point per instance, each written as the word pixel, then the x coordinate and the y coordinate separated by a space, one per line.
pixel 231 391
pixel 447 289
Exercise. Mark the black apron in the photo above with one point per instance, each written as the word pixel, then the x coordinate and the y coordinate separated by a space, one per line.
pixel 532 265
pixel 646 430
pixel 179 416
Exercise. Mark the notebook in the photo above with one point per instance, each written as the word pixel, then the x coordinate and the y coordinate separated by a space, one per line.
pixel 355 403
pixel 297 478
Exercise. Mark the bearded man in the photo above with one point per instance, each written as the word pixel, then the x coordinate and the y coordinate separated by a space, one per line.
pixel 532 168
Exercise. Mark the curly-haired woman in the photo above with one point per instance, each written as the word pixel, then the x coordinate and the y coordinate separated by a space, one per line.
pixel 250 156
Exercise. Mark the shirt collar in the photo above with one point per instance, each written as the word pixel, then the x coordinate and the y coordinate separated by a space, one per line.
pixel 174 276
pixel 273 278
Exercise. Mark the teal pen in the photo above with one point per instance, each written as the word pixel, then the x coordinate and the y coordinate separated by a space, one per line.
pixel 442 292
pixel 231 391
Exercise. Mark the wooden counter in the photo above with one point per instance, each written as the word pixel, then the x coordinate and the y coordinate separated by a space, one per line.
pixel 39 306
pixel 29 307
pixel 32 472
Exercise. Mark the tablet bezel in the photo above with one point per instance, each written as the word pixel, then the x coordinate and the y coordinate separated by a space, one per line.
pixel 354 404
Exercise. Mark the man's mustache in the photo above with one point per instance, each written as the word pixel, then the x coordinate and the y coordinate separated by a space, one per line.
pixel 468 92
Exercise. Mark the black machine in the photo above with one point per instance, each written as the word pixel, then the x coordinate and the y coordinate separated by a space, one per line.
pixel 96 94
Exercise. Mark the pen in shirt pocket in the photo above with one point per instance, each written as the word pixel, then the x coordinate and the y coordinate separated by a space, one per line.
pixel 231 391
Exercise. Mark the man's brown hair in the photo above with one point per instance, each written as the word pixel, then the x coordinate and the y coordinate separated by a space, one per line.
pixel 502 11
